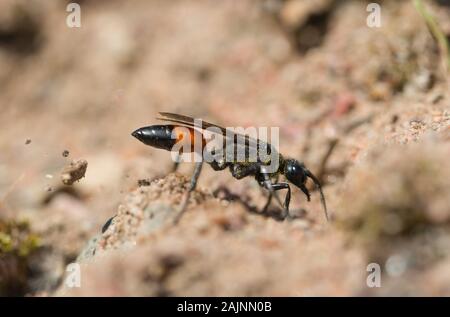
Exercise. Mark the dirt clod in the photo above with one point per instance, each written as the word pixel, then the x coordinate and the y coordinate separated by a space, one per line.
pixel 74 171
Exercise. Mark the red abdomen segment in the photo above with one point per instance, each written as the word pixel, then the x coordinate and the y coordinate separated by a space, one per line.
pixel 167 136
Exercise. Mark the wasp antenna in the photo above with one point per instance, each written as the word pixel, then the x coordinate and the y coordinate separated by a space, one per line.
pixel 319 187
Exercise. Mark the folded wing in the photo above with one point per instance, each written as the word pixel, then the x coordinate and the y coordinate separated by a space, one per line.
pixel 227 133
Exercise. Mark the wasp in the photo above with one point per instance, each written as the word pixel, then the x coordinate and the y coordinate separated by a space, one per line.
pixel 184 128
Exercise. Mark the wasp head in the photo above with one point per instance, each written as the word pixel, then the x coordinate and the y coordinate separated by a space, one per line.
pixel 297 174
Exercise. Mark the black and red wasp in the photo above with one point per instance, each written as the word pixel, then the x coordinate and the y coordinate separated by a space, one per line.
pixel 184 128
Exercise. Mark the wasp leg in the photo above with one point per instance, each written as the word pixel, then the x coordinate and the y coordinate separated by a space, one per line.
pixel 240 171
pixel 194 179
pixel 266 206
pixel 269 199
pixel 267 183
pixel 175 166
pixel 176 163
pixel 287 199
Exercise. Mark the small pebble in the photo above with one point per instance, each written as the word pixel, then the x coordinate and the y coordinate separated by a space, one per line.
pixel 143 182
pixel 65 153
pixel 28 141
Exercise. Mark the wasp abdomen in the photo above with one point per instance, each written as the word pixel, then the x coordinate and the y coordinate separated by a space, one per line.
pixel 166 136
pixel 158 136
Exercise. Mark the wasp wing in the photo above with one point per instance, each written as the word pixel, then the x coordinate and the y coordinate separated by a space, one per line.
pixel 189 121
pixel 240 140
pixel 194 123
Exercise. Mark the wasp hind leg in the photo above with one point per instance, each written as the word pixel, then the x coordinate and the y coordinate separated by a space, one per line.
pixel 175 166
pixel 176 162
pixel 192 185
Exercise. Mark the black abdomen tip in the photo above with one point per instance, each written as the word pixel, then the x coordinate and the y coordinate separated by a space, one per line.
pixel 159 136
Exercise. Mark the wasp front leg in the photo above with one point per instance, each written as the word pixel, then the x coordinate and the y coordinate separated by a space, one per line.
pixel 265 181
pixel 269 199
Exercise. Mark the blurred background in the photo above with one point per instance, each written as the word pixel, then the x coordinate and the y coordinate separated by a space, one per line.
pixel 366 108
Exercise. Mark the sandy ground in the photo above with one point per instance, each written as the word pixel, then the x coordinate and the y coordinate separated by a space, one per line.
pixel 366 109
